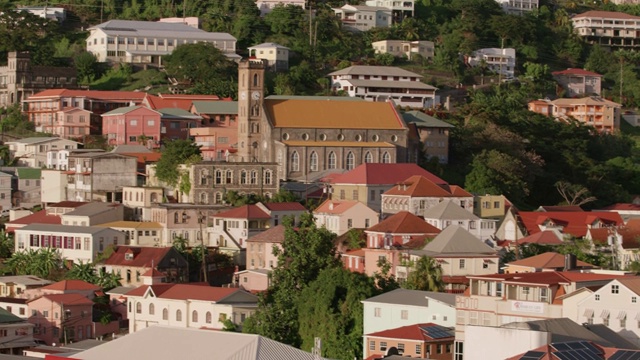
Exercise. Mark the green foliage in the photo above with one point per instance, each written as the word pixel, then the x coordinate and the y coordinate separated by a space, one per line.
pixel 425 275
pixel 87 67
pixel 44 262
pixel 384 279
pixel 356 239
pixel 228 325
pixel 331 308
pixel 306 251
pixel 6 241
pixel 175 153
pixel 83 271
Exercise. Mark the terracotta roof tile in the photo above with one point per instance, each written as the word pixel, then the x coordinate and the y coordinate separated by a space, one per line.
pixel 622 207
pixel 39 217
pixel 67 299
pixel 384 174
pixel 71 285
pixel 274 235
pixel 575 223
pixel 94 94
pixel 546 237
pixel 335 206
pixel 576 72
pixel 186 292
pixel 548 260
pixel 153 273
pixel 285 206
pixel 418 332
pixel 548 277
pixel 183 102
pixel 67 204
pixel 420 186
pixel 143 256
pixel 404 222
pixel 244 212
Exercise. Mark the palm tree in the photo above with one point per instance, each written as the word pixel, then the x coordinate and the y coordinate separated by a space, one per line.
pixel 44 261
pixel 426 276
pixel 83 271
pixel 108 280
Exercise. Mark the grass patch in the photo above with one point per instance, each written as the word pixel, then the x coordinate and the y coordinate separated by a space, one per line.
pixel 123 79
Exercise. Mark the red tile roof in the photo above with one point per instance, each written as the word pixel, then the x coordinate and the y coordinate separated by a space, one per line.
pixel 418 332
pixel 185 292
pixel 273 235
pixel 335 206
pixel 573 223
pixel 285 206
pixel 384 174
pixel 144 158
pixel 546 237
pixel 244 212
pixel 606 14
pixel 67 204
pixel 356 253
pixel 67 299
pixel 71 285
pixel 548 260
pixel 420 186
pixel 153 273
pixel 39 217
pixel 176 101
pixel 143 256
pixel 94 94
pixel 622 207
pixel 561 208
pixel 404 222
pixel 548 277
pixel 630 233
pixel 575 71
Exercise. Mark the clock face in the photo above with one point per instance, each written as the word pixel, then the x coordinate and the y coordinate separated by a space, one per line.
pixel 243 95
pixel 255 95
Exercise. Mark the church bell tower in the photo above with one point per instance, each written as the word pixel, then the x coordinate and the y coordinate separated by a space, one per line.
pixel 250 107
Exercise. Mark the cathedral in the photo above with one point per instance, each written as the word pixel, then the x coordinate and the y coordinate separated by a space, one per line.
pixel 309 137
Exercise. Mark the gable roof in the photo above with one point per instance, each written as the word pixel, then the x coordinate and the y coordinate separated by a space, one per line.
pixel 244 212
pixel 575 72
pixel 417 332
pixel 384 174
pixel 178 114
pixel 8 318
pixel 335 206
pixel 71 285
pixel 420 186
pixel 143 256
pixel 216 107
pixel 329 114
pixel 448 210
pixel 375 71
pixel 272 235
pixel 156 29
pixel 404 222
pixel 39 217
pixel 575 223
pixel 189 292
pixel 412 297
pixel 92 94
pixel 560 208
pixel 92 208
pixel 548 260
pixel 546 237
pixel 170 101
pixel 284 206
pixel 548 277
pixel 268 45
pixel 67 299
pixel 34 140
pixel 423 120
pixel 127 148
pixel 606 14
pixel 29 173
pixel 159 343
pixel 632 283
pixel 456 240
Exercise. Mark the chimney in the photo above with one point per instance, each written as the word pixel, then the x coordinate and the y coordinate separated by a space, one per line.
pixel 570 262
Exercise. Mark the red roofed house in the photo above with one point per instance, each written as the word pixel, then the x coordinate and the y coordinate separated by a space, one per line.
pixel 623 242
pixel 608 28
pixel 177 101
pixel 546 237
pixel 495 300
pixel 187 306
pixel 232 228
pixel 80 287
pixel 338 216
pixel 578 82
pixel 549 261
pixel 40 217
pixel 61 318
pixel 398 230
pixel 418 193
pixel 47 107
pixel 422 341
pixel 131 262
pixel 367 182
pixel 627 211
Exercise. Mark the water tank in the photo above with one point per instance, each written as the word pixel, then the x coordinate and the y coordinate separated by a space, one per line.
pixel 570 262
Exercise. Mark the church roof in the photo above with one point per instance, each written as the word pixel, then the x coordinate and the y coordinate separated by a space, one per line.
pixel 456 240
pixel 331 114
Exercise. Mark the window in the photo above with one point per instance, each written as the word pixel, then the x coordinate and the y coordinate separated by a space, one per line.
pixel 207 317
pixel 597 297
pixel 165 314
pixel 243 177
pixel 372 345
pixel 634 299
pixel 525 290
pixel 295 161
pixel 178 315
pixel 404 314
pixel 194 316
pixel 267 178
pixel 152 309
pixel 386 158
pixel 332 160
pixel 349 223
pixel 350 161
pixel 383 346
pixel 462 263
pixel 377 312
pixel 313 161
pixel 615 289
pixel 139 308
pixel 368 157
pixel 418 349
pixel 544 294
pixel 354 195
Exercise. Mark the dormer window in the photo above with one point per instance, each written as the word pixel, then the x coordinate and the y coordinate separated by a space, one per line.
pixel 128 256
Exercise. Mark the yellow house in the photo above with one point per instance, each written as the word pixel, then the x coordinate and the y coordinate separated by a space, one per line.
pixel 490 206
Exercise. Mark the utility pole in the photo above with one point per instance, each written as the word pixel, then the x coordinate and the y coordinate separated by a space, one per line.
pixel 202 218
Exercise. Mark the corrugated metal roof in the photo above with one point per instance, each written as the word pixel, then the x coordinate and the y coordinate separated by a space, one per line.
pixel 159 29
pixel 216 107
pixel 375 71
pixel 412 297
pixel 423 120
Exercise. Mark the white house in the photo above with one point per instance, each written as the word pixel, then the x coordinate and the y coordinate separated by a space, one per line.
pixel 276 56
pixel 266 6
pixel 381 83
pixel 46 12
pixel 75 243
pixel 58 159
pixel 518 7
pixel 399 9
pixel 448 213
pixel 32 152
pixel 402 48
pixel 500 61
pixel 186 306
pixel 94 213
pixel 403 307
pixel 363 18
pixel 145 42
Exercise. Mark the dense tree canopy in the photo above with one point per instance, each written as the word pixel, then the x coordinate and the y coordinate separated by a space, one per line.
pixel 176 152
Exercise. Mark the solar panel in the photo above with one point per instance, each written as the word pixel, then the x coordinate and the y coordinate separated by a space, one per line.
pixel 580 354
pixel 561 346
pixel 532 355
pixel 625 355
pixel 437 332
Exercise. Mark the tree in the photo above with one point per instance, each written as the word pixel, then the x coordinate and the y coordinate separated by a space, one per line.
pixel 306 251
pixel 108 280
pixel 574 194
pixel 6 244
pixel 175 153
pixel 83 271
pixel 331 308
pixel 425 275
pixel 44 262
pixel 86 67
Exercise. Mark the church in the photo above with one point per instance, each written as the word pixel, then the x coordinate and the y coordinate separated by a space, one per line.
pixel 312 136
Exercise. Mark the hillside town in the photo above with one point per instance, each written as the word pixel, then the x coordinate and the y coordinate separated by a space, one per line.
pixel 291 179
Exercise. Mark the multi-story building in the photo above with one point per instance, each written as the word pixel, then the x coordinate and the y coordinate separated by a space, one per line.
pixel 407 49
pixel 100 176
pixel 139 233
pixel 59 159
pixel 32 152
pixel 418 194
pixel 602 114
pixel 15 286
pixel 61 317
pixel 397 230
pixel 339 216
pixel 260 249
pixel 490 206
pixel 145 42
pixel 54 186
pixel 266 6
pixel 27 194
pixel 433 133
pixel 188 221
pixel 608 28
pixel 497 60
pixel 498 299
pixel 20 79
pixel 79 244
pixel 218 136
pixel 276 56
pixel 578 82
pixel 132 262
pixel 400 9
pixel 141 199
pixel 448 213
pixel 518 7
pixel 6 190
pixel 422 341
pixel 93 213
pixel 363 18
pixel 380 83
pixel 46 12
pixel 45 109
pixel 187 305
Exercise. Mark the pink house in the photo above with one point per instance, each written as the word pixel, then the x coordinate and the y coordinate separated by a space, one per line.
pixel 68 123
pixel 398 230
pixel 219 131
pixel 253 280
pixel 79 287
pixel 353 260
pixel 61 318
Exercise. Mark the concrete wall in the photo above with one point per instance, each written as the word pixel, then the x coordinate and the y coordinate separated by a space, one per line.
pixel 500 343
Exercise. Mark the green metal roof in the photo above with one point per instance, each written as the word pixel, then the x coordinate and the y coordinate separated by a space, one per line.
pixel 29 173
pixel 177 113
pixel 216 107
pixel 8 318
pixel 295 97
pixel 122 110
pixel 423 120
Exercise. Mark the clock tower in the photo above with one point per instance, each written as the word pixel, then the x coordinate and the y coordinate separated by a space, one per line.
pixel 250 107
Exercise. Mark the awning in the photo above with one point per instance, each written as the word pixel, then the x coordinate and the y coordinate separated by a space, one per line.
pixel 604 314
pixel 588 313
pixel 622 315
